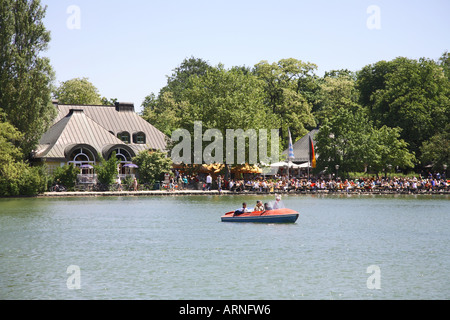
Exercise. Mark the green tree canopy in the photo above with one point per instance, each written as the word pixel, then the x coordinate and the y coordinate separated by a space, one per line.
pixel 152 166
pixel 436 150
pixel 164 112
pixel 178 81
pixel 350 140
pixel 16 176
pixel 411 94
pixel 227 99
pixel 167 110
pixel 337 90
pixel 284 83
pixel 25 75
pixel 78 91
pixel 107 169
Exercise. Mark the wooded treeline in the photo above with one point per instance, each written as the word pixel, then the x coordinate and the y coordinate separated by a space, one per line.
pixel 389 114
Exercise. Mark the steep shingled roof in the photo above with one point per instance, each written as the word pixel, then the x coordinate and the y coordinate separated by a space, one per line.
pixel 74 128
pixel 120 118
pixel 97 126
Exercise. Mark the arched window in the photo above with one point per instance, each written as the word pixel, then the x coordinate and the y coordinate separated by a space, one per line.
pixel 124 136
pixel 123 155
pixel 139 138
pixel 82 156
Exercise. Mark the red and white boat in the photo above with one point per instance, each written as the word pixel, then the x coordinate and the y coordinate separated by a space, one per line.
pixel 269 216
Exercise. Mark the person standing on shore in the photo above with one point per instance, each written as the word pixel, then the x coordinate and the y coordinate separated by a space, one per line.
pixel 208 182
pixel 219 183
pixel 135 184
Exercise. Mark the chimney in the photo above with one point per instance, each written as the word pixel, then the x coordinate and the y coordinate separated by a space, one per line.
pixel 124 106
pixel 72 111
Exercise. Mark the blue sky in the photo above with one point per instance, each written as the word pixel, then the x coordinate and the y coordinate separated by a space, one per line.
pixel 127 48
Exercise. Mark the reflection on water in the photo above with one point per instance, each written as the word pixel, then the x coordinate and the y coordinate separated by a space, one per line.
pixel 177 248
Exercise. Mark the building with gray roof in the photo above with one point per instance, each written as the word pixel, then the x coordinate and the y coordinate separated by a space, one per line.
pixel 81 133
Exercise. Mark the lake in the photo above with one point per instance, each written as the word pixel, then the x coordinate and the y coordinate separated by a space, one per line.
pixel 176 247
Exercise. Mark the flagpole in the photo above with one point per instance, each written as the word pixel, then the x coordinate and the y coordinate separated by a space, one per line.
pixel 309 164
pixel 290 155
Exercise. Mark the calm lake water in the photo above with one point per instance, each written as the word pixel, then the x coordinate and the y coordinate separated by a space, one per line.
pixel 177 248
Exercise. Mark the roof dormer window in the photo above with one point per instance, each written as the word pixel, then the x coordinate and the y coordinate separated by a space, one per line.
pixel 139 138
pixel 124 136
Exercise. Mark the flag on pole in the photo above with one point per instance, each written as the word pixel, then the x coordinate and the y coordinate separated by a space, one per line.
pixel 291 147
pixel 312 154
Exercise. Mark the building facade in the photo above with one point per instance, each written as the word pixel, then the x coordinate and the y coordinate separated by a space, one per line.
pixel 82 133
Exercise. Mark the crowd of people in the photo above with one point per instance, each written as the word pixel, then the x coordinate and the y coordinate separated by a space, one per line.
pixel 282 184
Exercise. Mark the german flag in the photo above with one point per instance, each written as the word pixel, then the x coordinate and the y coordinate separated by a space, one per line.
pixel 312 154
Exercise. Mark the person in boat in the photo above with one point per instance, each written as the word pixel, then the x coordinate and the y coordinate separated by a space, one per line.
pixel 242 210
pixel 259 206
pixel 278 203
pixel 267 207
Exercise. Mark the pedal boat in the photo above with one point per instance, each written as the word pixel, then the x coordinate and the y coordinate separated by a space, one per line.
pixel 269 216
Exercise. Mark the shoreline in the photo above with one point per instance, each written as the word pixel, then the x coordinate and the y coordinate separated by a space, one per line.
pixel 227 192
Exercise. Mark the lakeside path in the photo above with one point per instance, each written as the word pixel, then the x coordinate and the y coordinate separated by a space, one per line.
pixel 227 192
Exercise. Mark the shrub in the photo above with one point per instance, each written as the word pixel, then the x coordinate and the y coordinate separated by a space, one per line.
pixel 66 175
pixel 152 165
pixel 107 170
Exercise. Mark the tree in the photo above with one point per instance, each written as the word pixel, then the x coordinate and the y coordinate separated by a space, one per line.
pixel 164 112
pixel 337 90
pixel 16 176
pixel 284 83
pixel 66 175
pixel 25 75
pixel 152 165
pixel 179 80
pixel 436 150
pixel 227 99
pixel 109 102
pixel 444 62
pixel 107 169
pixel 345 140
pixel 350 140
pixel 411 94
pixel 167 110
pixel 78 91
pixel 391 150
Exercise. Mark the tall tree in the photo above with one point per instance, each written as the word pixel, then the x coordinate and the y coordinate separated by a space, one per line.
pixel 25 76
pixel 16 176
pixel 411 94
pixel 167 110
pixel 350 140
pixel 436 150
pixel 284 84
pixel 228 99
pixel 178 81
pixel 78 91
pixel 337 90
pixel 444 62
pixel 164 112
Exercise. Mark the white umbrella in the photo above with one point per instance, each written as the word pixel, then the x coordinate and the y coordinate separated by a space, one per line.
pixel 279 164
